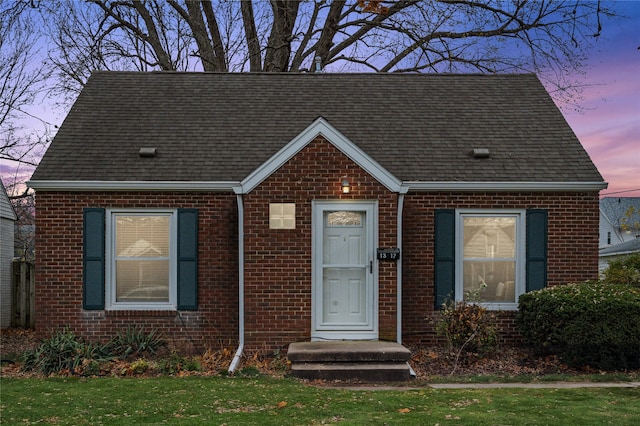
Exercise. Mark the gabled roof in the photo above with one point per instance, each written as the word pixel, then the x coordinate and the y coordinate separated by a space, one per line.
pixel 317 128
pixel 220 128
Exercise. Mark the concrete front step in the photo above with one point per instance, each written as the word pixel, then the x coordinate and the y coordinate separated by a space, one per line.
pixel 369 361
pixel 347 351
pixel 365 372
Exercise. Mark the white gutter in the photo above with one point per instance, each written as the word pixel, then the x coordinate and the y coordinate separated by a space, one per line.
pixel 399 271
pixel 240 351
pixel 505 186
pixel 199 186
pixel 119 185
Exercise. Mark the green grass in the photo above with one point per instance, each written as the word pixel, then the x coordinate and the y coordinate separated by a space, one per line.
pixel 533 378
pixel 270 401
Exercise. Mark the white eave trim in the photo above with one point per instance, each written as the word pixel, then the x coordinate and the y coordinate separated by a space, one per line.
pixel 243 187
pixel 619 253
pixel 505 186
pixel 321 127
pixel 100 185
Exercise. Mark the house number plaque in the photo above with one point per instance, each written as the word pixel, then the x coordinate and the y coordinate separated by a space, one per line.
pixel 389 254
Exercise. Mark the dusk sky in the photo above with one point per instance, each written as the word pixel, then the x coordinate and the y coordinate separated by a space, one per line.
pixel 609 124
pixel 607 121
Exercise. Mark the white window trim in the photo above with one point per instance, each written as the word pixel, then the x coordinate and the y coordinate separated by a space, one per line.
pixel 520 273
pixel 110 294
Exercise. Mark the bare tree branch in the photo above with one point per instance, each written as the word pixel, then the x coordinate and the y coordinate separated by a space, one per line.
pixel 22 80
pixel 219 54
pixel 547 37
pixel 302 51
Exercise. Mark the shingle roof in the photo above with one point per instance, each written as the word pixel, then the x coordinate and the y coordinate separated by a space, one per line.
pixel 631 246
pixel 221 127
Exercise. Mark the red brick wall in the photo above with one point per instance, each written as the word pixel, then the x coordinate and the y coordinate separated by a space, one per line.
pixel 59 269
pixel 278 262
pixel 572 254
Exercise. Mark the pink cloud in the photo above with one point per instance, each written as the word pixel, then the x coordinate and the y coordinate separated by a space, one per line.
pixel 609 125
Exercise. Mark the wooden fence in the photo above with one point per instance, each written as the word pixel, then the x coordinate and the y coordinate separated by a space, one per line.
pixel 23 306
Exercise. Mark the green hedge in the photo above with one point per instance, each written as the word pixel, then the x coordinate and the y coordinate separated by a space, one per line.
pixel 624 271
pixel 591 324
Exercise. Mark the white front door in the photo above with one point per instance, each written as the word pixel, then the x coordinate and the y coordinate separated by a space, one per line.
pixel 344 270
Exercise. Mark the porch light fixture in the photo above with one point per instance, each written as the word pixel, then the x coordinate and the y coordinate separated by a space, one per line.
pixel 346 187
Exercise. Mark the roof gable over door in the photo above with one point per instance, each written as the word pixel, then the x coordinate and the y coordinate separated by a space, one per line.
pixel 320 127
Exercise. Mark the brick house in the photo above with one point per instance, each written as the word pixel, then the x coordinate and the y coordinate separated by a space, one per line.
pixel 262 209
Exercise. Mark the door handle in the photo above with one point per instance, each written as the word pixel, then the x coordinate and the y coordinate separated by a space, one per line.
pixel 371 266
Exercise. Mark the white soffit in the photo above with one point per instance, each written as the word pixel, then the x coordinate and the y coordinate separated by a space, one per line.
pixel 321 127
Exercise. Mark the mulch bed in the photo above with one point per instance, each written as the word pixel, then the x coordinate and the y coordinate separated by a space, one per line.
pixel 15 341
pixel 506 361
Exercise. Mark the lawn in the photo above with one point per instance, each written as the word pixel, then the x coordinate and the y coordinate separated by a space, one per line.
pixel 266 400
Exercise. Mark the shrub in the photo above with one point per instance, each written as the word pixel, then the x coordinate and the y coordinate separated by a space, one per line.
pixel 139 366
pixel 469 329
pixel 278 361
pixel 591 324
pixel 623 271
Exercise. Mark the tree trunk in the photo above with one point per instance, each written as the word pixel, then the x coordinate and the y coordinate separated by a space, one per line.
pixel 164 60
pixel 329 31
pixel 279 44
pixel 253 43
pixel 220 59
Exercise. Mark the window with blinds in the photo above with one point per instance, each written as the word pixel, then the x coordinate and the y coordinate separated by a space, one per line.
pixel 490 257
pixel 142 257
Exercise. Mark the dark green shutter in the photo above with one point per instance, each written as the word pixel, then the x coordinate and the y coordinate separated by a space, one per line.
pixel 187 259
pixel 445 256
pixel 93 259
pixel 536 246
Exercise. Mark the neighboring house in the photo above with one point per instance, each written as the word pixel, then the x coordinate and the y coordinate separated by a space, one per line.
pixel 263 209
pixel 7 222
pixel 619 220
pixel 618 251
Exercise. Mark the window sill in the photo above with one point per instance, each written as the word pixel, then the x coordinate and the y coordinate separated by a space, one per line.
pixel 500 306
pixel 129 313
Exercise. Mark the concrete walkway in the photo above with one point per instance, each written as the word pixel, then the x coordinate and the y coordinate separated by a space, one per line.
pixel 537 385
